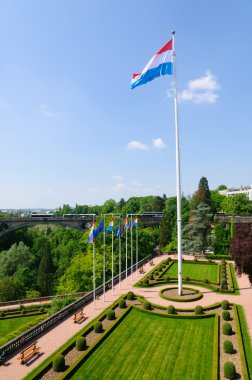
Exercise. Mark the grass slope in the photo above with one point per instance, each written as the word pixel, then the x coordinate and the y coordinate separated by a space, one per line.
pixel 146 346
pixel 10 325
pixel 195 271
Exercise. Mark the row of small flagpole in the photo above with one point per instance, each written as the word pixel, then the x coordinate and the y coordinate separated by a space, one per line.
pixel 119 233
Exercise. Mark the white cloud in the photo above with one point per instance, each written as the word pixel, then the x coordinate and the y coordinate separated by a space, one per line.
pixel 93 190
pixel 117 177
pixel 49 191
pixel 158 143
pixel 119 187
pixel 44 111
pixel 137 145
pixel 201 90
pixel 135 183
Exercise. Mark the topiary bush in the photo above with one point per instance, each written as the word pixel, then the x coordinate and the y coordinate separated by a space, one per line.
pixel 206 281
pixel 156 272
pixel 111 315
pixel 23 311
pixel 226 315
pixel 187 278
pixel 227 329
pixel 59 363
pixel 1 314
pixel 164 266
pixel 167 278
pixel 41 310
pixel 151 276
pixel 228 347
pixel 223 281
pixel 147 305
pixel 229 370
pixel 224 287
pixel 198 310
pixel 122 304
pixel 81 343
pixel 225 305
pixel 98 327
pixel 171 309
pixel 130 296
pixel 146 281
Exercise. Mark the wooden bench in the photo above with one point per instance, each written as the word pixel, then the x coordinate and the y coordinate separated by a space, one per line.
pixel 28 353
pixel 141 270
pixel 78 316
pixel 152 262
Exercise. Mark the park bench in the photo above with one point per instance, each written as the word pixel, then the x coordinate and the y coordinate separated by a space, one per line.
pixel 78 316
pixel 152 262
pixel 28 353
pixel 141 270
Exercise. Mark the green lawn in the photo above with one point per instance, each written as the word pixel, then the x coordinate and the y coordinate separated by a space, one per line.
pixel 195 271
pixel 148 346
pixel 9 325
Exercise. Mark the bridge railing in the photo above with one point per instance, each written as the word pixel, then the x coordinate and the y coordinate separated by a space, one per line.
pixel 17 343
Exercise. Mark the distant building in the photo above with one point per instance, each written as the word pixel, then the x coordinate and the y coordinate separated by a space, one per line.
pixel 247 190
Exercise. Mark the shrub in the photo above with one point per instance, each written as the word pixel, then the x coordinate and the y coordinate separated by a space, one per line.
pixel 225 305
pixel 1 314
pixel 111 315
pixel 209 260
pixel 187 278
pixel 206 281
pixel 130 296
pixel 122 304
pixel 147 305
pixel 151 276
pixel 198 310
pixel 167 278
pixel 146 281
pixel 228 347
pixel 226 315
pixel 229 370
pixel 227 329
pixel 195 260
pixel 98 327
pixel 59 363
pixel 23 311
pixel 171 309
pixel 41 310
pixel 81 344
pixel 164 266
pixel 168 260
pixel 224 287
pixel 156 273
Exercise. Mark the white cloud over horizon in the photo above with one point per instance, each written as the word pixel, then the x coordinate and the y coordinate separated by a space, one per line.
pixel 158 143
pixel 137 145
pixel 201 90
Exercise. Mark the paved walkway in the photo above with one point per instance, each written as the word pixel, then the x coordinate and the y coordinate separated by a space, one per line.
pixel 52 340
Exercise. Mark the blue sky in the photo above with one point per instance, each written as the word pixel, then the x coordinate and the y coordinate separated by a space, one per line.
pixel 72 130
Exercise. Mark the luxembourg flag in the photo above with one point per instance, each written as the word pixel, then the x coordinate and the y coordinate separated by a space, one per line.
pixel 134 223
pixel 160 64
pixel 110 227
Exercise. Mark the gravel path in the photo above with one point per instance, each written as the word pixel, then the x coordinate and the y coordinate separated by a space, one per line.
pixel 53 339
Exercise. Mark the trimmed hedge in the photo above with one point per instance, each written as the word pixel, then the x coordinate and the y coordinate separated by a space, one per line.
pixel 198 310
pixel 130 296
pixel 122 304
pixel 225 305
pixel 59 363
pixel 227 329
pixel 226 315
pixel 229 370
pixel 147 305
pixel 171 309
pixel 111 315
pixel 81 343
pixel 228 347
pixel 98 327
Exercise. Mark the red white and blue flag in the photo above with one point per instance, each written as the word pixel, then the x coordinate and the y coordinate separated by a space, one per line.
pixel 160 64
pixel 134 223
pixel 111 226
pixel 91 235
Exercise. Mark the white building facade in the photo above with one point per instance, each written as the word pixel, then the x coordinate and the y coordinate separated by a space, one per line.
pixel 247 190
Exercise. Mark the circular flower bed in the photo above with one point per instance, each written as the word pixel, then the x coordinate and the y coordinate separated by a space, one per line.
pixel 189 294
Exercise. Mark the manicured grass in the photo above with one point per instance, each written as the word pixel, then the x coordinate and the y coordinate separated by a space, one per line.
pixel 245 338
pixel 10 325
pixel 148 346
pixel 195 271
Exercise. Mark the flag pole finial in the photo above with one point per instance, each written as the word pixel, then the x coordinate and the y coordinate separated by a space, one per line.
pixel 173 32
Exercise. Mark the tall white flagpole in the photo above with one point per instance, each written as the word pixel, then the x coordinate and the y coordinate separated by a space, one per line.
pixel 93 266
pixel 113 259
pixel 137 246
pixel 131 246
pixel 177 173
pixel 104 259
pixel 126 246
pixel 120 253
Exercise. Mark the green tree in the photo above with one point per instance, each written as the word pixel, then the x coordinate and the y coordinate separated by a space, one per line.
pixel 217 200
pixel 203 194
pixel 238 204
pixel 221 187
pixel 45 273
pixel 11 289
pixel 197 234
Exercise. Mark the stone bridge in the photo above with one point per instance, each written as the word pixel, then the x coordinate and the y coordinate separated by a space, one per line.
pixel 79 223
pixel 223 218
